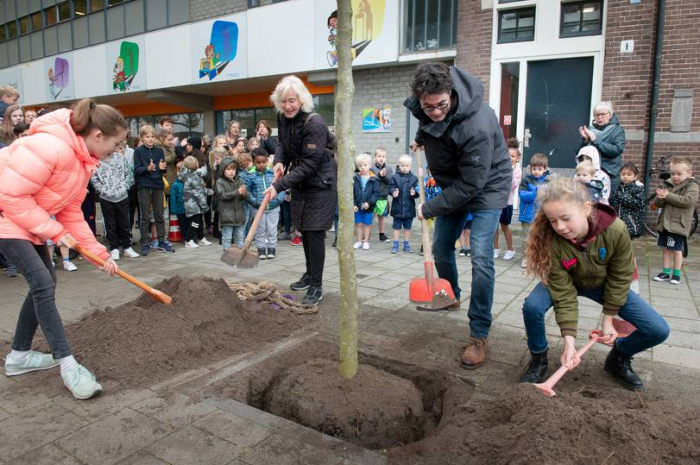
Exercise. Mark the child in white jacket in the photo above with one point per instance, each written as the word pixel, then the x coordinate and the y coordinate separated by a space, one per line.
pixel 591 153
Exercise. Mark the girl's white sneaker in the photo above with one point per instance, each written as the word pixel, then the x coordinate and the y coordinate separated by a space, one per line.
pixel 191 245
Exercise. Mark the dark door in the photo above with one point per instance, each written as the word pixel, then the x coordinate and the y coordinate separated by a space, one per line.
pixel 557 103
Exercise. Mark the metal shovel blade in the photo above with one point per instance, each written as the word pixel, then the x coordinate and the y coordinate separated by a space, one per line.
pixel 240 258
pixel 435 295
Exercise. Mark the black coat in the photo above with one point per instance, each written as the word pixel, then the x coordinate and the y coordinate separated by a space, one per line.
pixel 311 171
pixel 404 206
pixel 144 178
pixel 369 195
pixel 628 200
pixel 383 180
pixel 466 152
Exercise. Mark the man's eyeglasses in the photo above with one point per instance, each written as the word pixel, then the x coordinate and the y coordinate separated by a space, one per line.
pixel 441 106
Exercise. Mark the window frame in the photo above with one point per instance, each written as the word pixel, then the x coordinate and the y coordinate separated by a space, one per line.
pixel 580 32
pixel 41 20
pixel 500 40
pixel 28 26
pixel 9 25
pixel 409 24
pixel 58 12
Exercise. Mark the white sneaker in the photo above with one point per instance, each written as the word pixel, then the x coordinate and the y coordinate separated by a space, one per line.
pixel 69 266
pixel 357 245
pixel 205 242
pixel 81 383
pixel 509 255
pixel 191 245
pixel 496 253
pixel 115 254
pixel 131 253
pixel 523 264
pixel 365 246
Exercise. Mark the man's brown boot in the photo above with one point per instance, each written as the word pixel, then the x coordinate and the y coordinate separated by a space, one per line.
pixel 475 353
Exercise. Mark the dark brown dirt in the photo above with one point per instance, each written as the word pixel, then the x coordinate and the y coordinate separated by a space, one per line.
pixel 375 409
pixel 522 426
pixel 143 341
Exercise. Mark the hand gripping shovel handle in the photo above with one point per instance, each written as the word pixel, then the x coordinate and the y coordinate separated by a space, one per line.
pixel 157 295
pixel 425 226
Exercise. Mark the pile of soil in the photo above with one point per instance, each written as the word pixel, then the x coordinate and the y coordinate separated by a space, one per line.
pixel 589 426
pixel 144 341
pixel 375 409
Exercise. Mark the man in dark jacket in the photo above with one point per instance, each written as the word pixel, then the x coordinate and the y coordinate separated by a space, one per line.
pixel 468 158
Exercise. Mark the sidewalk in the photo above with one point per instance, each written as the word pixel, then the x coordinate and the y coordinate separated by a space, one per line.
pixel 172 423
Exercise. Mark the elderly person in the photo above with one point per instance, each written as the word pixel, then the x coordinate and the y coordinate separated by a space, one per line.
pixel 309 169
pixel 233 132
pixel 606 135
pixel 468 159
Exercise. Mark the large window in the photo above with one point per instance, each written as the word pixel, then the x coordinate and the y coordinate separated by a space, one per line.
pixel 581 18
pixel 429 25
pixel 186 124
pixel 516 25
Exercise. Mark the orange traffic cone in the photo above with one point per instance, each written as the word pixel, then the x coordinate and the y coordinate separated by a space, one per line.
pixel 174 234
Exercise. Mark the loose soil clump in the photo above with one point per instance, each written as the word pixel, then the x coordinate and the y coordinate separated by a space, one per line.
pixel 143 341
pixel 375 409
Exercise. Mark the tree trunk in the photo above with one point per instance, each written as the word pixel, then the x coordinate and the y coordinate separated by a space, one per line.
pixel 346 169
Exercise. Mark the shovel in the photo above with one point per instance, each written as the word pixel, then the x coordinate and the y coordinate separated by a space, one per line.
pixel 244 258
pixel 429 293
pixel 547 386
pixel 155 294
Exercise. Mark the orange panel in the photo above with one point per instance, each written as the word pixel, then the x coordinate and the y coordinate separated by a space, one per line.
pixel 151 108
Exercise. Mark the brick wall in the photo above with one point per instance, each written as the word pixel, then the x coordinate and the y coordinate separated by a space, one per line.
pixel 204 9
pixel 388 86
pixel 474 27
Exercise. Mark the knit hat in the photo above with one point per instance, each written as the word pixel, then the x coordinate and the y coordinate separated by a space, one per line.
pixel 195 142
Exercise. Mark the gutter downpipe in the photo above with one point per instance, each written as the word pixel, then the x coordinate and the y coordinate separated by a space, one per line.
pixel 653 112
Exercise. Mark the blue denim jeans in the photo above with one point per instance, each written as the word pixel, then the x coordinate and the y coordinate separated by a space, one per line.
pixel 39 308
pixel 232 233
pixel 447 230
pixel 651 330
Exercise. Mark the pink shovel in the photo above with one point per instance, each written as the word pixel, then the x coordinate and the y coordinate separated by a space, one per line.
pixel 547 386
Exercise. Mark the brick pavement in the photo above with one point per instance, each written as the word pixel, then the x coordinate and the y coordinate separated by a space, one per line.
pixel 171 423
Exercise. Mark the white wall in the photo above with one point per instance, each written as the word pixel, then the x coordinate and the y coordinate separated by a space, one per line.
pixel 168 53
pixel 89 70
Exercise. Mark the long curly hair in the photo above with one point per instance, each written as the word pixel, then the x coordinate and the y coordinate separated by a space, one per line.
pixel 538 249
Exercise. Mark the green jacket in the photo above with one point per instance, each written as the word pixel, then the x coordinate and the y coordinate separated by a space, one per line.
pixel 231 204
pixel 678 206
pixel 604 261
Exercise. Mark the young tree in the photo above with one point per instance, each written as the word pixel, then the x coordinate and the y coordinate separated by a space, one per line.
pixel 346 169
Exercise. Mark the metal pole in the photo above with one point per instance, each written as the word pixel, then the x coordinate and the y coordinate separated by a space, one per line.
pixel 653 112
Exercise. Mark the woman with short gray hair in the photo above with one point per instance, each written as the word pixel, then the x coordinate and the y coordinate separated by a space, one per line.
pixel 608 136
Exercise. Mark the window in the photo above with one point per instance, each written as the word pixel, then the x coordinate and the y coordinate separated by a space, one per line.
pixel 114 2
pixel 253 3
pixel 24 25
pixel 516 25
pixel 80 8
pixel 11 30
pixel 186 124
pixel 429 25
pixel 51 17
pixel 96 5
pixel 3 36
pixel 35 19
pixel 63 11
pixel 581 18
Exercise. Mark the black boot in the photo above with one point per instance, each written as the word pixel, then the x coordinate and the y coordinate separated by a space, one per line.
pixel 313 296
pixel 335 242
pixel 302 284
pixel 536 369
pixel 620 367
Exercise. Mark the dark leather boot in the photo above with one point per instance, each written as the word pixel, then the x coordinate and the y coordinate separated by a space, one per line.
pixel 475 353
pixel 620 367
pixel 536 369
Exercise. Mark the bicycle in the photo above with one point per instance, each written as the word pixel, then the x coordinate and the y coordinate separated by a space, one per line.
pixel 660 168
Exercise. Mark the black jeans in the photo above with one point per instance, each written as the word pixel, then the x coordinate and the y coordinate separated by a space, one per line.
pixel 39 308
pixel 133 206
pixel 195 228
pixel 314 243
pixel 286 216
pixel 151 199
pixel 116 215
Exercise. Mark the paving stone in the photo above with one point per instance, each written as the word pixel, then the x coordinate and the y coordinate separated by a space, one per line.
pixel 115 437
pixel 684 324
pixel 683 339
pixel 680 356
pixel 35 428
pixel 232 428
pixel 191 446
pixel 667 309
pixel 15 398
pixel 175 409
pixel 106 404
pixel 47 455
pixel 281 450
pixel 142 458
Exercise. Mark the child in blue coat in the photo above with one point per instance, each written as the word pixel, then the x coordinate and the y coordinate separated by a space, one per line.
pixel 403 187
pixel 365 194
pixel 535 176
pixel 259 178
pixel 177 202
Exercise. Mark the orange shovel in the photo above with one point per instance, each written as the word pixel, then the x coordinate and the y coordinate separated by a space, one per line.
pixel 429 293
pixel 155 294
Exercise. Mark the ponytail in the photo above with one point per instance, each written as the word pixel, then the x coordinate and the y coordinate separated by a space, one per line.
pixel 88 116
pixel 538 249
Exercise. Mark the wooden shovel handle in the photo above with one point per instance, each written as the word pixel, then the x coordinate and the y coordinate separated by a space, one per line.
pixel 158 295
pixel 425 226
pixel 258 216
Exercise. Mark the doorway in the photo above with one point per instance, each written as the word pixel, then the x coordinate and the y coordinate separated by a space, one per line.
pixel 557 103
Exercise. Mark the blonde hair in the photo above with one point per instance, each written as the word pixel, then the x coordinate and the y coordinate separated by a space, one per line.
pixel 379 149
pixel 538 250
pixel 363 157
pixel 164 134
pixel 146 130
pixel 244 160
pixel 190 163
pixel 294 84
pixel 586 167
pixel 88 115
pixel 220 151
pixel 7 131
pixel 405 159
pixel 682 161
pixel 8 91
pixel 220 137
